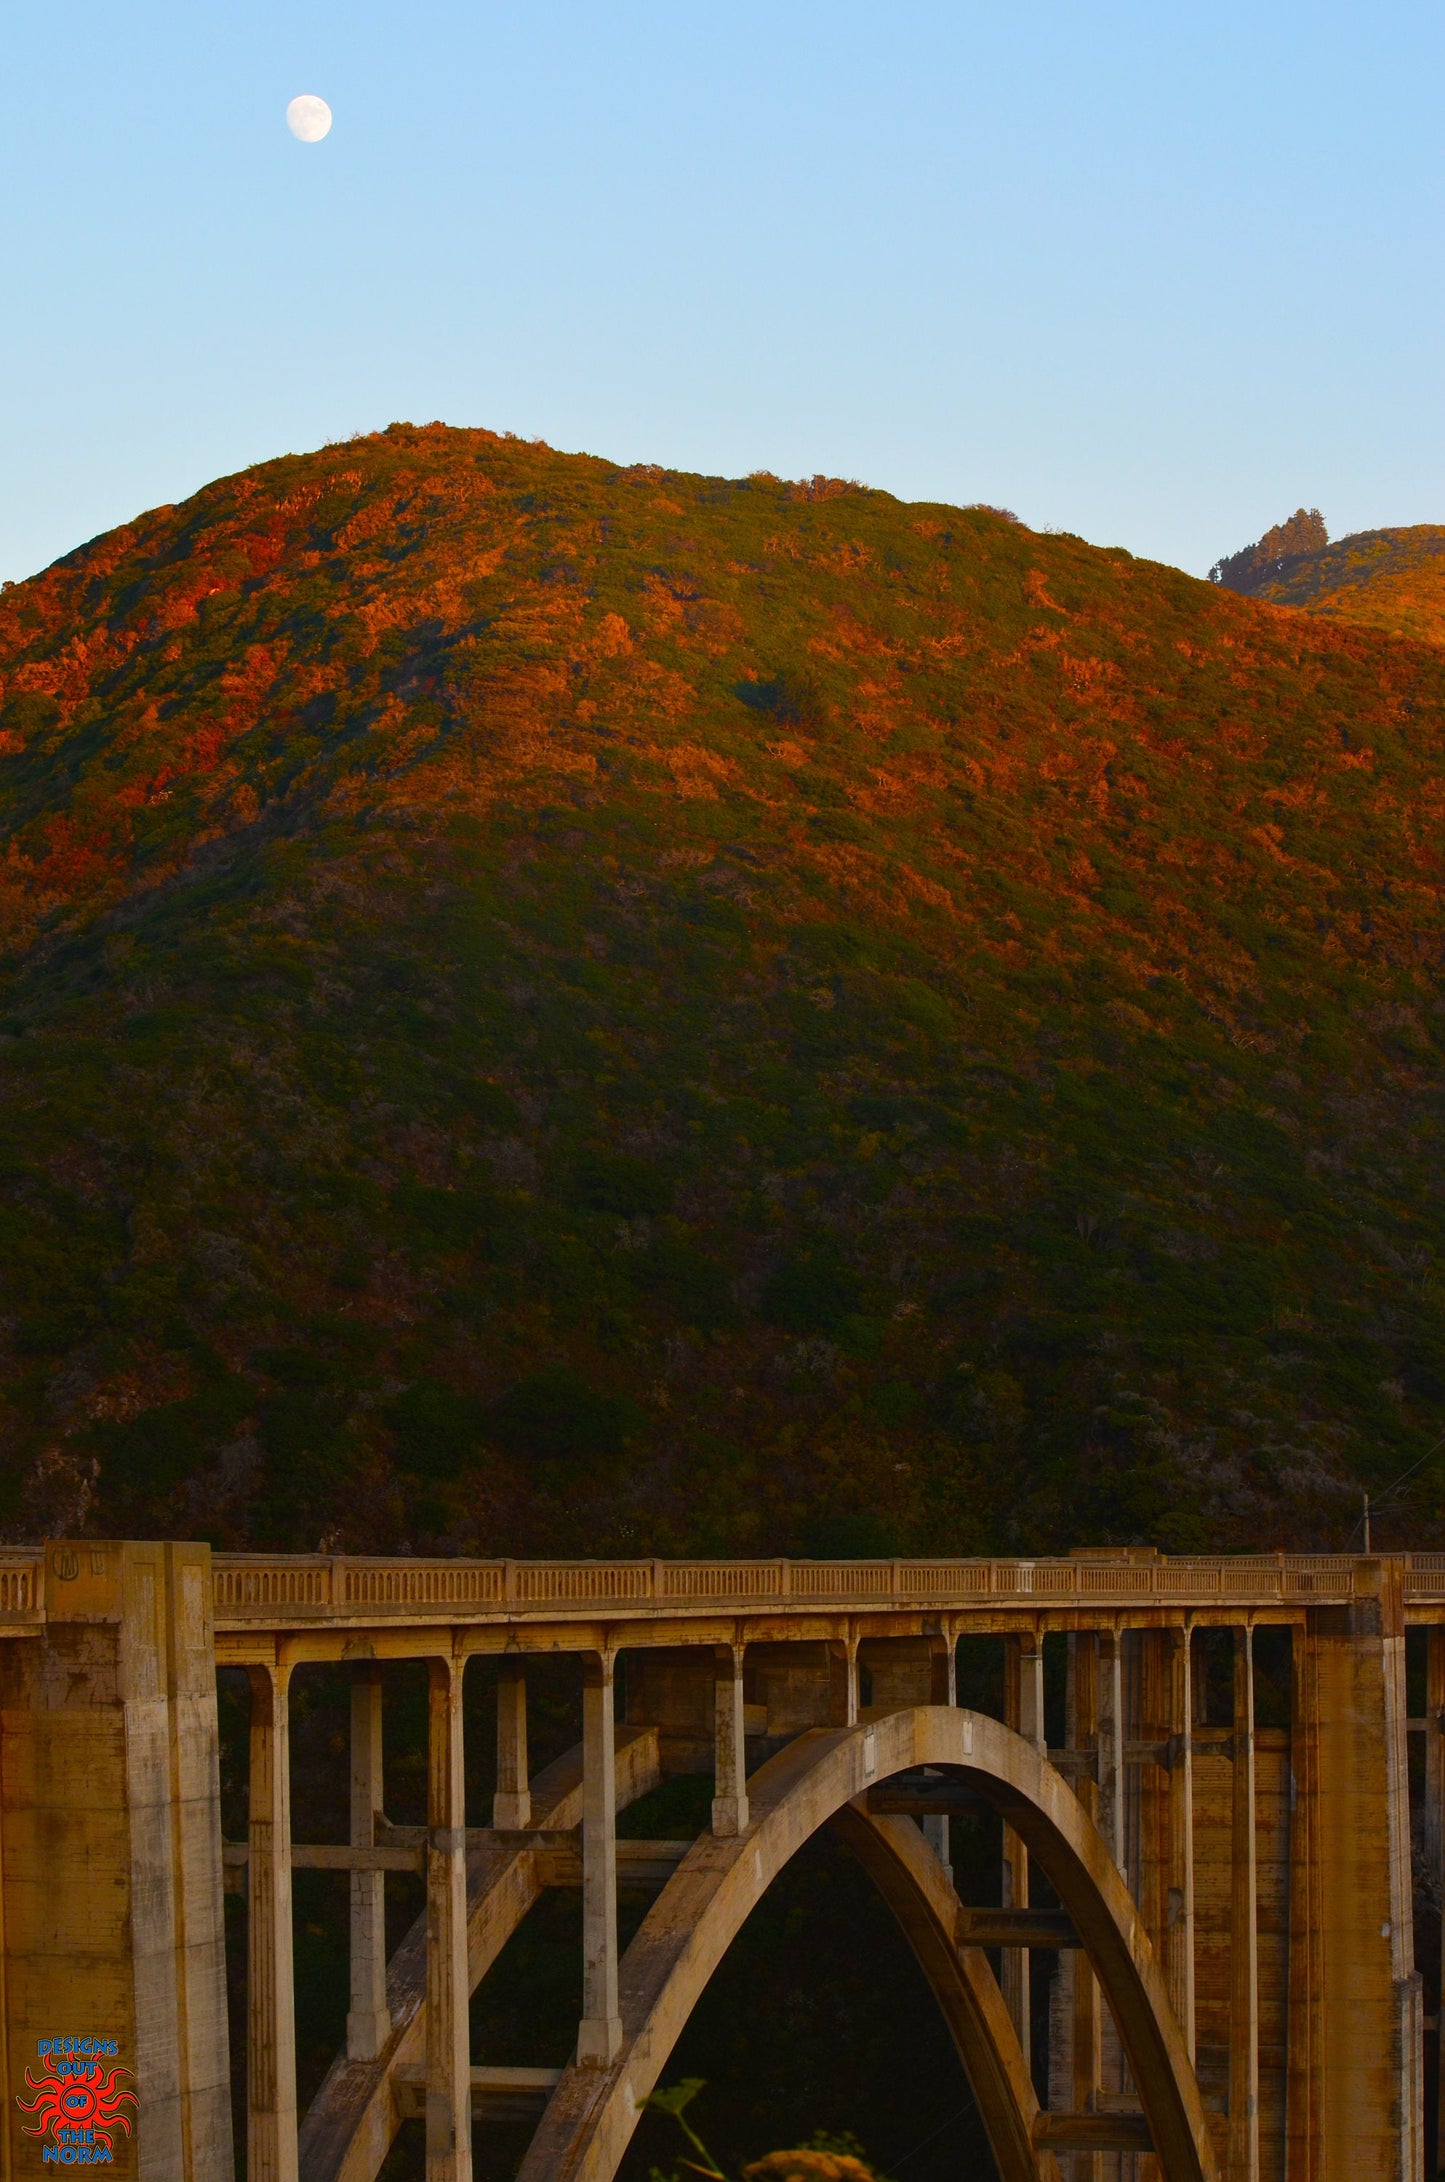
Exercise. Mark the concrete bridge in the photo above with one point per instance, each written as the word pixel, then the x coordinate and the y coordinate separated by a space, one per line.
pixel 1201 1962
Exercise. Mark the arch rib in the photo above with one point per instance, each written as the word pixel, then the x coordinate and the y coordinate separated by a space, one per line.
pixel 917 1889
pixel 351 2122
pixel 593 2112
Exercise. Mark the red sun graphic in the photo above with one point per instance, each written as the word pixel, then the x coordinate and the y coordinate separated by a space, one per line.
pixel 87 2100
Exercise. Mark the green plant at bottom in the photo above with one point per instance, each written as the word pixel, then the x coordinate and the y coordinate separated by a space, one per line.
pixel 826 2159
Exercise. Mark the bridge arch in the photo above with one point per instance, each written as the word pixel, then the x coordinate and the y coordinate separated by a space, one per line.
pixel 818 1778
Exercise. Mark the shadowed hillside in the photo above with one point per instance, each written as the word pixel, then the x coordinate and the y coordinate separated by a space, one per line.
pixel 551 1007
pixel 1380 579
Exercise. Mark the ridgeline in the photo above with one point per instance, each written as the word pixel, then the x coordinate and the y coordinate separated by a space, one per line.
pixel 556 1007
pixel 1378 579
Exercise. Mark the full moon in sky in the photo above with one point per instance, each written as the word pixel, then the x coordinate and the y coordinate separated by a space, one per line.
pixel 308 118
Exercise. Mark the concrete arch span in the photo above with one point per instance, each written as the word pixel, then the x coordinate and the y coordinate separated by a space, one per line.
pixel 817 1779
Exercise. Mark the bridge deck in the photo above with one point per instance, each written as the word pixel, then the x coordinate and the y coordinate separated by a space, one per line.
pixel 259 1591
pixel 292 1591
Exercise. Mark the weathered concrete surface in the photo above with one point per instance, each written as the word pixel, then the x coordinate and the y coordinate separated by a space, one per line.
pixel 270 1949
pixel 110 1827
pixel 1356 2018
pixel 1214 1801
pixel 448 2101
pixel 593 2112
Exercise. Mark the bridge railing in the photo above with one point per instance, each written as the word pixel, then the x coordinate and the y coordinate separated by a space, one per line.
pixel 297 1588
pixel 259 1587
pixel 22 1587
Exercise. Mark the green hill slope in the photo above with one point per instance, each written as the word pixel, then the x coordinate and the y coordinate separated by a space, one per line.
pixel 1379 579
pixel 549 1007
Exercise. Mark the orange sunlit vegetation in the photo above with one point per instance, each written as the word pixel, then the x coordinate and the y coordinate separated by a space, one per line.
pixel 550 1006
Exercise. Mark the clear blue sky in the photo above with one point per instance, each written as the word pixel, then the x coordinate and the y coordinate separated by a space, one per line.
pixel 1153 272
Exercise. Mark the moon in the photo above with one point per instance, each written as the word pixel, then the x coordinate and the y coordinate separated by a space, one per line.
pixel 308 118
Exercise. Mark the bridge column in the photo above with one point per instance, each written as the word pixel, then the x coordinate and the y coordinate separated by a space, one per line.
pixel 1243 1929
pixel 368 2021
pixel 448 1987
pixel 512 1803
pixel 730 1802
pixel 1024 1713
pixel 943 1690
pixel 1435 1844
pixel 1110 1701
pixel 1164 1833
pixel 1076 2043
pixel 1179 1912
pixel 843 1680
pixel 1355 2013
pixel 599 2035
pixel 1111 1696
pixel 270 1987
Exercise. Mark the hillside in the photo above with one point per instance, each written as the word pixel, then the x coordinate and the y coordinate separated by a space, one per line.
pixel 1378 579
pixel 553 1007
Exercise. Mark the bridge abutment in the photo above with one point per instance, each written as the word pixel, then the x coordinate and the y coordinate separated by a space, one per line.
pixel 110 1847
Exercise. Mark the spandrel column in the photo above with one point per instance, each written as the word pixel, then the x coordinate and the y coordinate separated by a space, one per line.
pixel 271 1995
pixel 512 1803
pixel 730 1800
pixel 1435 1842
pixel 943 1690
pixel 1110 1689
pixel 1114 1826
pixel 599 2035
pixel 843 1680
pixel 448 2028
pixel 1024 1712
pixel 1152 1679
pixel 368 2021
pixel 1243 1929
pixel 1179 1912
pixel 1087 1675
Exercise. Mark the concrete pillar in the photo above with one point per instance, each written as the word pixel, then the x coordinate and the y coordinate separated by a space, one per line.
pixel 1179 1910
pixel 1356 2048
pixel 1013 1967
pixel 1024 1713
pixel 1243 1930
pixel 943 1690
pixel 111 1905
pixel 1118 1816
pixel 1150 1812
pixel 448 1987
pixel 1110 1700
pixel 1086 1673
pixel 730 1800
pixel 204 2073
pixel 1434 1843
pixel 368 2021
pixel 270 1989
pixel 599 2035
pixel 1152 1677
pixel 512 1803
pixel 843 1680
